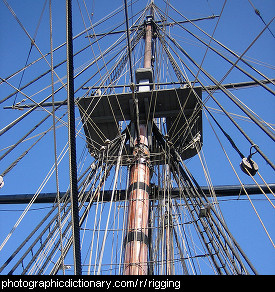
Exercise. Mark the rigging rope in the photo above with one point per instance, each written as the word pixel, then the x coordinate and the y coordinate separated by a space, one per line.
pixel 254 208
pixel 223 46
pixel 259 14
pixel 29 54
pixel 54 143
pixel 226 135
pixel 227 93
pixel 128 41
pixel 161 206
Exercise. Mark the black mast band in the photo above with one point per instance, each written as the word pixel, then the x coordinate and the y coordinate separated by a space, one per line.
pixel 136 236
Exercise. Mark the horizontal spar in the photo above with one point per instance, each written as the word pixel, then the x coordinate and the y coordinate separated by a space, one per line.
pixel 159 23
pixel 220 191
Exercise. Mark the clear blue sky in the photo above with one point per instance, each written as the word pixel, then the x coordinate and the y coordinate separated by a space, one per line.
pixel 238 27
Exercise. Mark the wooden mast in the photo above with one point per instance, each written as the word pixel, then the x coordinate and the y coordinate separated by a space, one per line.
pixel 136 239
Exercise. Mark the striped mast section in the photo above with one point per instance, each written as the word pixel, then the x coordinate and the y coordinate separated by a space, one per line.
pixel 136 239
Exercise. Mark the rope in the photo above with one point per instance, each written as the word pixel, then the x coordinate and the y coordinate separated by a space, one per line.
pixel 72 142
pixel 29 54
pixel 227 136
pixel 259 14
pixel 54 136
pixel 128 41
pixel 28 35
pixel 113 192
pixel 227 93
pixel 256 212
pixel 32 200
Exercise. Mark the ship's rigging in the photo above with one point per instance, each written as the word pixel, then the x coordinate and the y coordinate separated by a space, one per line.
pixel 144 101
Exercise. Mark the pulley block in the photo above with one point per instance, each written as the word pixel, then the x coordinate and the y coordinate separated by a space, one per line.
pixel 248 166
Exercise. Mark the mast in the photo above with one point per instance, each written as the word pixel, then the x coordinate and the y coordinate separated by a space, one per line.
pixel 136 239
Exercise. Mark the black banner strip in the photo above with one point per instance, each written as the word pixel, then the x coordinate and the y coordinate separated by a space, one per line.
pixel 136 236
pixel 140 186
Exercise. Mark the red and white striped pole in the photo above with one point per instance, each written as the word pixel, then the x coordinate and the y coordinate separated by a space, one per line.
pixel 136 238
